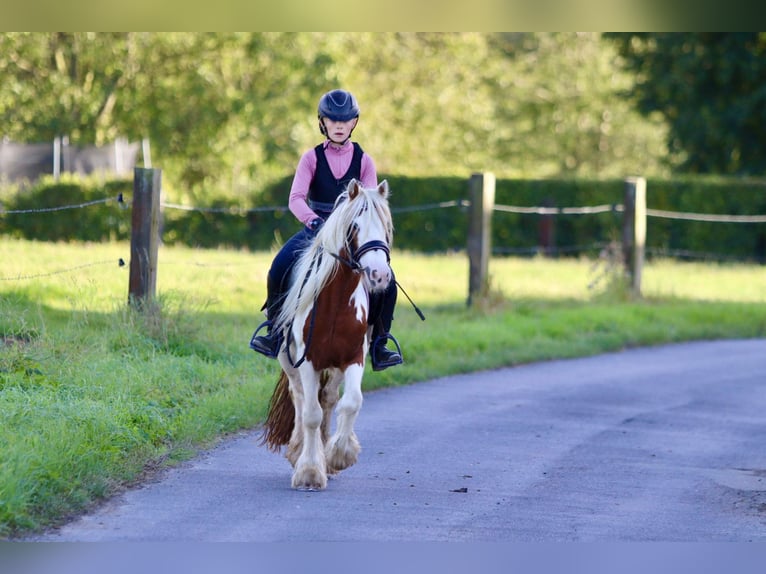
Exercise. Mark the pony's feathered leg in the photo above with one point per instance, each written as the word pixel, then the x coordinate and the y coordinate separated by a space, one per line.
pixel 295 444
pixel 310 469
pixel 329 393
pixel 343 449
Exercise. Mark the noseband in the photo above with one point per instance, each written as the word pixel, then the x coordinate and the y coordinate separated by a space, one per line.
pixel 353 262
pixel 371 246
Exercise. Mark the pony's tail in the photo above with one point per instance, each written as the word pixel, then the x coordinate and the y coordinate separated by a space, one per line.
pixel 281 417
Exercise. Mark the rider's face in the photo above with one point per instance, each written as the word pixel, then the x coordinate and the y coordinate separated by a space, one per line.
pixel 339 132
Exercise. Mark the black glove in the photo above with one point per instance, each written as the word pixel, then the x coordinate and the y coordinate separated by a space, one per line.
pixel 315 224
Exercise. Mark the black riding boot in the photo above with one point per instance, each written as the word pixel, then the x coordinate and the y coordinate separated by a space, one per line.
pixel 381 356
pixel 382 307
pixel 269 343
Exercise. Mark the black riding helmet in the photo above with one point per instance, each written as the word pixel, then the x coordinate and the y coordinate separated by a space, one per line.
pixel 337 105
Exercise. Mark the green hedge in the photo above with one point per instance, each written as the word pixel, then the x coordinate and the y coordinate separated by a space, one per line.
pixel 109 220
pixel 260 221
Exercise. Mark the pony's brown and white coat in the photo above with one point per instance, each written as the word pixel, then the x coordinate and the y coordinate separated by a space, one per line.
pixel 325 325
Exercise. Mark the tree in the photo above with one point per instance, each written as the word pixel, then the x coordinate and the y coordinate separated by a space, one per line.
pixel 561 110
pixel 93 87
pixel 711 88
pixel 425 106
pixel 228 113
pixel 60 84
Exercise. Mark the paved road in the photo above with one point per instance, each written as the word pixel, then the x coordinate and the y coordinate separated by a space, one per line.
pixel 660 444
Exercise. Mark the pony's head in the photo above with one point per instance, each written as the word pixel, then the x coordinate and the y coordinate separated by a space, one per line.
pixel 360 229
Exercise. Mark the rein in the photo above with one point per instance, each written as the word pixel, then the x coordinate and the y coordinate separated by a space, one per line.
pixel 354 264
pixel 296 364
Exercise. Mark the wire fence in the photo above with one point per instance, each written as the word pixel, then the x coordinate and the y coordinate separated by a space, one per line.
pixel 460 203
pixel 619 208
pixel 528 210
pixel 708 217
pixel 118 199
pixel 587 210
pixel 120 263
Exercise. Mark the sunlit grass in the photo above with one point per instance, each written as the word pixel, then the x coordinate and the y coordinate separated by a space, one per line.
pixel 734 282
pixel 235 280
pixel 444 278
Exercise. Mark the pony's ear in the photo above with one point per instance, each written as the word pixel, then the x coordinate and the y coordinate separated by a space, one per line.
pixel 383 188
pixel 353 188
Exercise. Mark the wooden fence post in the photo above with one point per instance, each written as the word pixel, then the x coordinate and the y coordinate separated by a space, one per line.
pixel 145 236
pixel 634 231
pixel 482 197
pixel 546 231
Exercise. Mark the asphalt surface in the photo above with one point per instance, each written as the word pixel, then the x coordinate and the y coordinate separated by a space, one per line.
pixel 656 444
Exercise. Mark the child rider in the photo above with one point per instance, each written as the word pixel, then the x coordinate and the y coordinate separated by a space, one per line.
pixel 322 175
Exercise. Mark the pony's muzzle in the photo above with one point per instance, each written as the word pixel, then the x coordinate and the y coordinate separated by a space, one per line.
pixel 378 278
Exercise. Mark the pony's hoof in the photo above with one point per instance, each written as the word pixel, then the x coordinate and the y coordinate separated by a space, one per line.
pixel 342 454
pixel 309 479
pixel 338 461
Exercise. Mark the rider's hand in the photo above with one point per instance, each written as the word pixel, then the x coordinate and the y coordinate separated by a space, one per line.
pixel 315 224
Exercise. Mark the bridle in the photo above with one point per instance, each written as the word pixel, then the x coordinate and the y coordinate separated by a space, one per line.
pixel 354 261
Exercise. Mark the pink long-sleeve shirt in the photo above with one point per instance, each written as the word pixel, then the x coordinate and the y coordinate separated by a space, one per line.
pixel 339 159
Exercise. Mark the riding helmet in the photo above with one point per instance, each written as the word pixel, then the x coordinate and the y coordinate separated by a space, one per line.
pixel 338 105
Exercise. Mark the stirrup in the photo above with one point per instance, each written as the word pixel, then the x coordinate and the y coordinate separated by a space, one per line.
pixel 378 365
pixel 258 348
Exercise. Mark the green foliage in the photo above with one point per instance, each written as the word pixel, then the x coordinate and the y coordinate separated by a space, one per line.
pixel 421 224
pixel 708 195
pixel 109 220
pixel 560 111
pixel 228 114
pixel 710 88
pixel 62 83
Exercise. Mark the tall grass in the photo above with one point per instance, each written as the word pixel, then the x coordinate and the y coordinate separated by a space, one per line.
pixel 94 394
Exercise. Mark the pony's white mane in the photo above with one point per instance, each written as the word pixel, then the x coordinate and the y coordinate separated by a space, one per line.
pixel 316 265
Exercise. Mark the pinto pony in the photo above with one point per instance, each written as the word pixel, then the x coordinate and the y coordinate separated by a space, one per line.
pixel 326 330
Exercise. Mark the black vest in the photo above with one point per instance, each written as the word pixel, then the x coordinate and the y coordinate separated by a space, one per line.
pixel 325 188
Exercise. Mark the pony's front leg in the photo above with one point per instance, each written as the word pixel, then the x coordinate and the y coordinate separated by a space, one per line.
pixel 328 398
pixel 343 449
pixel 310 468
pixel 295 445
